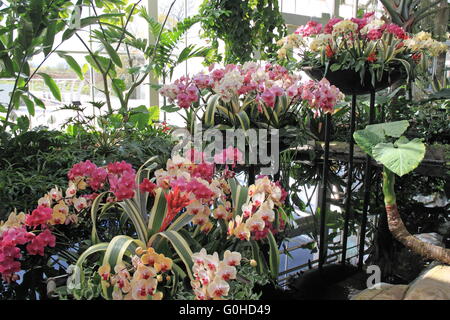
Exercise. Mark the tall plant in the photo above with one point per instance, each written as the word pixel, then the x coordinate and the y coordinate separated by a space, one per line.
pixel 159 54
pixel 166 59
pixel 399 156
pixel 244 26
pixel 29 29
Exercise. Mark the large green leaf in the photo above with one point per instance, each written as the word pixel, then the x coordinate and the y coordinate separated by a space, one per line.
pixel 84 22
pixel 73 64
pixel 366 140
pixel 78 274
pixel 390 129
pixel 243 119
pixel 95 208
pixel 211 109
pixel 158 212
pixel 29 104
pixel 36 9
pixel 112 53
pixel 257 256
pixel 134 213
pixel 51 84
pixel 180 245
pixel 400 157
pixel 239 196
pixel 101 64
pixel 144 171
pixel 49 38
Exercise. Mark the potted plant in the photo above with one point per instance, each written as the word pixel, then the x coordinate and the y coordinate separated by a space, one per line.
pixel 358 55
pixel 249 96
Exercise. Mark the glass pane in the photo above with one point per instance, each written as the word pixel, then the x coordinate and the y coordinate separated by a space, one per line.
pixel 71 87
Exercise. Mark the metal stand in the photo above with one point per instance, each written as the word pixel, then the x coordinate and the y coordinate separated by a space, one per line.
pixel 251 174
pixel 323 204
pixel 367 182
pixel 349 180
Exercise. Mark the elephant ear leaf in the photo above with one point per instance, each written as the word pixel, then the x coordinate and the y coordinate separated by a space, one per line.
pixel 374 134
pixel 367 140
pixel 390 129
pixel 400 157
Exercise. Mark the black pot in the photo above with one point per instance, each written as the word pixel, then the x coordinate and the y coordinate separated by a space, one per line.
pixel 349 81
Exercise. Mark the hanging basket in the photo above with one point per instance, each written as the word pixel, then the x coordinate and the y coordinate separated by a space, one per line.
pixel 349 81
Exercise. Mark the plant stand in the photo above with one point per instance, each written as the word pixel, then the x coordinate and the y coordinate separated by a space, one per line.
pixel 349 82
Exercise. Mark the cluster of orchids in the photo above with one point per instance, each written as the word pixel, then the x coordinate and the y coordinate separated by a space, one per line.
pixel 258 214
pixel 35 230
pixel 207 196
pixel 251 85
pixel 139 281
pixel 196 188
pixel 357 42
pixel 211 275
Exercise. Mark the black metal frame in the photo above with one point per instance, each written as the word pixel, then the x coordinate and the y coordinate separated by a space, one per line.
pixel 350 180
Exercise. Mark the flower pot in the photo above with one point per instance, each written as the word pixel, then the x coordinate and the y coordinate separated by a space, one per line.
pixel 349 81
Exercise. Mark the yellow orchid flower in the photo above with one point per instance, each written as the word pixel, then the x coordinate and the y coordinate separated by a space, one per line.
pixel 105 272
pixel 206 227
pixel 163 263
pixel 149 258
pixel 220 212
pixel 242 232
pixel 158 296
pixel 14 220
pixel 60 213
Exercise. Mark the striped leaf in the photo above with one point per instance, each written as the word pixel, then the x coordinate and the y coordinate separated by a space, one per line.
pixel 78 274
pixel 243 119
pixel 274 256
pixel 94 215
pixel 144 172
pixel 181 247
pixel 158 212
pixel 180 222
pixel 119 247
pixel 133 212
pixel 281 105
pixel 211 110
pixel 239 196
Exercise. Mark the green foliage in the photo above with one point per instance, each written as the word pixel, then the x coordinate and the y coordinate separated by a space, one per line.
pixel 34 162
pixel 164 58
pixel 89 287
pixel 243 288
pixel 29 28
pixel 244 26
pixel 401 156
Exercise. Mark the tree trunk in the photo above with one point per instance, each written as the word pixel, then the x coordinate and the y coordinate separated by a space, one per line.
pixel 398 229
